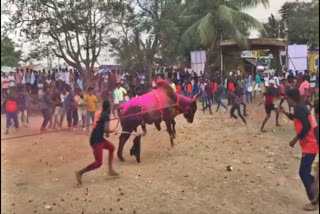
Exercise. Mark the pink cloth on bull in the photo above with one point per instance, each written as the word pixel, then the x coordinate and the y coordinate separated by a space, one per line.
pixel 149 101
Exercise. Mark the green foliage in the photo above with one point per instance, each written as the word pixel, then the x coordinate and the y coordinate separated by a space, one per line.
pixel 274 28
pixel 9 57
pixel 149 36
pixel 303 23
pixel 75 31
pixel 207 21
pixel 218 18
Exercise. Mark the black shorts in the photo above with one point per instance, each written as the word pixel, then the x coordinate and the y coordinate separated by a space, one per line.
pixel 269 108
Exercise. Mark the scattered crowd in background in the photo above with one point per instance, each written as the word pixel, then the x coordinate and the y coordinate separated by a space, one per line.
pixel 61 93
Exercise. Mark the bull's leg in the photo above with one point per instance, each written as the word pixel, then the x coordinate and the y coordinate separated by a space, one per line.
pixel 123 139
pixel 136 148
pixel 144 129
pixel 158 126
pixel 169 129
pixel 174 128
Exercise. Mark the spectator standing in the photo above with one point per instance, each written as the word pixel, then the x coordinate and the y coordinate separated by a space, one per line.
pixel 91 101
pixel 5 83
pixel 11 110
pixel 12 81
pixel 313 87
pixel 257 85
pixel 45 105
pixel 22 102
pixel 82 110
pixel 18 78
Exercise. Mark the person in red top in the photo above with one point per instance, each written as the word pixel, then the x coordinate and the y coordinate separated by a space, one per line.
pixel 214 86
pixel 99 143
pixel 178 88
pixel 189 89
pixel 207 97
pixel 11 110
pixel 304 126
pixel 269 105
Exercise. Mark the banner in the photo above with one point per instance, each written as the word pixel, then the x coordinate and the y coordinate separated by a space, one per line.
pixel 298 57
pixel 198 61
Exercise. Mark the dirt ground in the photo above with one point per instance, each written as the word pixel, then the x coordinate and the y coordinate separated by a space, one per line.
pixel 191 178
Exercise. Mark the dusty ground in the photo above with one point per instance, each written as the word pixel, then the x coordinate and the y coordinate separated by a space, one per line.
pixel 189 179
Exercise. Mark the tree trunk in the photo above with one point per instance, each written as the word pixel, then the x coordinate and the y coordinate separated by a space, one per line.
pixel 276 61
pixel 210 55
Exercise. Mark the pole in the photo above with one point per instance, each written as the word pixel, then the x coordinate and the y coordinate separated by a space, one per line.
pixel 287 39
pixel 221 58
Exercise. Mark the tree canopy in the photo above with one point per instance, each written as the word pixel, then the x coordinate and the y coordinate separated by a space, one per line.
pixel 76 31
pixel 303 23
pixel 9 56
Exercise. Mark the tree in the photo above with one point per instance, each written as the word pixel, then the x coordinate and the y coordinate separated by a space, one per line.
pixel 273 29
pixel 150 34
pixel 76 31
pixel 9 57
pixel 210 21
pixel 303 23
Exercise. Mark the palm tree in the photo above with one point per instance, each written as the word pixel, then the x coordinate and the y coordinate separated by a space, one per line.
pixel 208 21
pixel 274 28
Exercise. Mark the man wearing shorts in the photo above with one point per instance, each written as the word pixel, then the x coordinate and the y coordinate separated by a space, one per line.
pixel 269 105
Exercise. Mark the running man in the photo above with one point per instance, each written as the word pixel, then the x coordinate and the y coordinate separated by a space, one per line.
pixel 218 97
pixel 99 143
pixel 235 101
pixel 304 126
pixel 269 105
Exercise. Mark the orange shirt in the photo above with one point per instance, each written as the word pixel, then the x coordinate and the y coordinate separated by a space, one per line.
pixel 189 88
pixel 178 89
pixel 308 144
pixel 11 106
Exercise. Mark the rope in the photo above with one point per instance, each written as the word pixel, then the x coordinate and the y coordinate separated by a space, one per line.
pixel 66 129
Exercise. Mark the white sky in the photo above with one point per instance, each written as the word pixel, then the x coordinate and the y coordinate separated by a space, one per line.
pixel 260 13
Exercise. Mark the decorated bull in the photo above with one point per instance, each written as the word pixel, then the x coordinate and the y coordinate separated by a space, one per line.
pixel 162 104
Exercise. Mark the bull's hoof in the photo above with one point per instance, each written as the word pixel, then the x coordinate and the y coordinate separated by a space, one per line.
pixel 174 135
pixel 172 143
pixel 132 151
pixel 121 159
pixel 138 159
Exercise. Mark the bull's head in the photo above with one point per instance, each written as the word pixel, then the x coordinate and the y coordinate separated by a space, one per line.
pixel 191 110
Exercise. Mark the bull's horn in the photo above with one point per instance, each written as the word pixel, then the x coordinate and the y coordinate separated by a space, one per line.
pixel 195 97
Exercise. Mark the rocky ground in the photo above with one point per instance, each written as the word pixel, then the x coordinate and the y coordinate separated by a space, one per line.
pixel 37 173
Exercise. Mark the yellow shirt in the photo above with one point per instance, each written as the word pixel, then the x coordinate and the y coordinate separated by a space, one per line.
pixel 91 102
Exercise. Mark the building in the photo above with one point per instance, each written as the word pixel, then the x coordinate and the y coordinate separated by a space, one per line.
pixel 313 60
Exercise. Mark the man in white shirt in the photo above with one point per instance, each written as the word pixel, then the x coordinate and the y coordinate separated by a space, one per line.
pixel 12 80
pixel 277 81
pixel 67 77
pixel 266 81
pixel 63 76
pixel 120 92
pixel 313 86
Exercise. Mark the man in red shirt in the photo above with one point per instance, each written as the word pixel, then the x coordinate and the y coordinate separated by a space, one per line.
pixel 269 105
pixel 11 110
pixel 304 126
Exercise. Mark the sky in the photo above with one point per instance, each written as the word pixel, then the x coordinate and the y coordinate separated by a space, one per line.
pixel 262 14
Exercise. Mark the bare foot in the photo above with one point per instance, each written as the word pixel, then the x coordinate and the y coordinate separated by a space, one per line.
pixel 113 173
pixel 263 131
pixel 278 125
pixel 310 207
pixel 79 177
